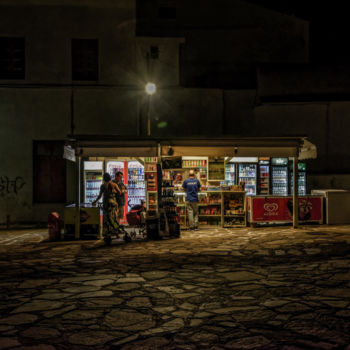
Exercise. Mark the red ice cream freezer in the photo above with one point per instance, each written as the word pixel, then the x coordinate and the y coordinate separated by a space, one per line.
pixel 279 209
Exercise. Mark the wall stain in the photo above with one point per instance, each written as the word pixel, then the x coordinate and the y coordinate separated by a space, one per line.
pixel 8 186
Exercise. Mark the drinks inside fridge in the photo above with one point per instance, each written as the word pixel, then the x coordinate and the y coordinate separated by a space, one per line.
pixel 136 183
pixel 264 176
pixel 279 176
pixel 114 166
pixel 230 173
pixel 301 179
pixel 93 172
pixel 247 174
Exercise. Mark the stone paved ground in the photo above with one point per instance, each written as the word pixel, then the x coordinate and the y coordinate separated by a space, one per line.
pixel 250 288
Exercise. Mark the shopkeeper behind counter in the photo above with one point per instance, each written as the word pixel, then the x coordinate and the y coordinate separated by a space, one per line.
pixel 192 187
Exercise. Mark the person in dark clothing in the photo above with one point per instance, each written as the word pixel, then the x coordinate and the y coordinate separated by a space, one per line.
pixel 192 187
pixel 120 196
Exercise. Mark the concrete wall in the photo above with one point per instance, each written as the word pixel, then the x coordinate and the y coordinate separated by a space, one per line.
pixel 325 124
pixel 48 31
pixel 27 115
pixel 225 39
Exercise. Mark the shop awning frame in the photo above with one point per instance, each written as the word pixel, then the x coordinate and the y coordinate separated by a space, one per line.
pixel 116 146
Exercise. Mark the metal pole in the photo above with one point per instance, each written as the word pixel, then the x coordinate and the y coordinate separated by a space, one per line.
pixel 295 192
pixel 77 208
pixel 149 115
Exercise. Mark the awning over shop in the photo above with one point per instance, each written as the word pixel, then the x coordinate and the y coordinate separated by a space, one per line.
pixel 236 147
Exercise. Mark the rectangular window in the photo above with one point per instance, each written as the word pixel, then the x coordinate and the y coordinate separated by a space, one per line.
pixel 84 59
pixel 12 58
pixel 49 172
pixel 154 52
pixel 166 12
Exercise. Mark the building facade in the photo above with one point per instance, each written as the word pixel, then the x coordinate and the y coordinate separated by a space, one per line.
pixel 68 68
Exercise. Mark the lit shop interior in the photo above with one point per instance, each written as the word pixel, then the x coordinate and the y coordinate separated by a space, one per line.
pixel 229 185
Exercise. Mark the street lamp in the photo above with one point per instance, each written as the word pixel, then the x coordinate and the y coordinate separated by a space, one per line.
pixel 150 89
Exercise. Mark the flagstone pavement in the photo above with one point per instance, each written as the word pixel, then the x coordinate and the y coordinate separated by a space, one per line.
pixel 246 288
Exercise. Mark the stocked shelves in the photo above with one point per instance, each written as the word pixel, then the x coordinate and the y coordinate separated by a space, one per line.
pixel 230 211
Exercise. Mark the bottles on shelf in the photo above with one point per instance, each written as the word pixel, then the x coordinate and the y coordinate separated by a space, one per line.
pixel 169 215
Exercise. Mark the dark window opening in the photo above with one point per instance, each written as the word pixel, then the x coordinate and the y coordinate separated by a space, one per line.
pixel 154 52
pixel 49 178
pixel 84 59
pixel 167 12
pixel 12 58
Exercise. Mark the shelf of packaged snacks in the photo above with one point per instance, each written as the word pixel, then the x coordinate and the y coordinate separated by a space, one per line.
pixel 207 204
pixel 214 216
pixel 234 196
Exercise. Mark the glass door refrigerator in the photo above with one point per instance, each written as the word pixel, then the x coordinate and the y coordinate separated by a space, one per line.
pixel 264 176
pixel 93 173
pixel 113 166
pixel 230 174
pixel 301 178
pixel 247 173
pixel 279 176
pixel 136 183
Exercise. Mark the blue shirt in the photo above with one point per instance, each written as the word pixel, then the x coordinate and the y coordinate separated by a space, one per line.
pixel 192 186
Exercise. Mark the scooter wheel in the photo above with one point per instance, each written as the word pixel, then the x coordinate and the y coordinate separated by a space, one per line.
pixel 108 240
pixel 127 238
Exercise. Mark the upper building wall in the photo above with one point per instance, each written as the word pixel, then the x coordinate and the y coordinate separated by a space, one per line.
pixel 49 26
pixel 224 39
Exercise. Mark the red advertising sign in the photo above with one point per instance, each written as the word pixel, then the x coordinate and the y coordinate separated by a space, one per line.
pixel 280 209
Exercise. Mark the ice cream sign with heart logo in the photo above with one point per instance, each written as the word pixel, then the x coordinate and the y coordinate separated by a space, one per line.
pixel 280 209
pixel 271 209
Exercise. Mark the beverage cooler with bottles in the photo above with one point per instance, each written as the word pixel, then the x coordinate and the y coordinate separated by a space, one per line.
pixel 301 178
pixel 279 176
pixel 247 173
pixel 113 166
pixel 230 173
pixel 264 176
pixel 93 174
pixel 136 184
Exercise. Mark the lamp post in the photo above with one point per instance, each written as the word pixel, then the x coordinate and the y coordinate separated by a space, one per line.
pixel 150 89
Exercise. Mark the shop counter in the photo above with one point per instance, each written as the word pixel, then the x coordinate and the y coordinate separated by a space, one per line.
pixel 87 226
pixel 279 209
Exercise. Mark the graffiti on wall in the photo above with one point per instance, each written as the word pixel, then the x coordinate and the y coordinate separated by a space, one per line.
pixel 11 186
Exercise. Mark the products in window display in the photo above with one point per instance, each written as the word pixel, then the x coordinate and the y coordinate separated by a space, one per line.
pixel 93 182
pixel 171 220
pixel 136 184
pixel 230 173
pixel 247 177
pixel 234 211
pixel 196 163
pixel 216 171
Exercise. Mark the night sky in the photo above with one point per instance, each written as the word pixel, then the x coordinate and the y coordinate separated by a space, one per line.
pixel 329 26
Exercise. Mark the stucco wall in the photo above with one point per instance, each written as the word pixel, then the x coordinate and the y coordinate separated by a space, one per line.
pixel 48 31
pixel 27 115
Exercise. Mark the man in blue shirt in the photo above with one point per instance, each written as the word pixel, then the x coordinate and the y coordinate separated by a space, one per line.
pixel 192 187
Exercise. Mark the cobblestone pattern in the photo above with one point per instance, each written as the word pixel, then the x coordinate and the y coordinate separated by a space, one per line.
pixel 265 288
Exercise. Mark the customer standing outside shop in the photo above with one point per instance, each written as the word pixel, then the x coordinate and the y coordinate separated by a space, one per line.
pixel 192 187
pixel 108 191
pixel 120 196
